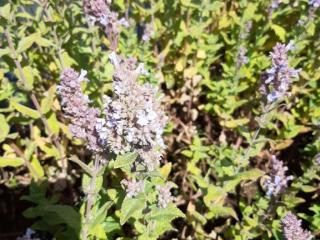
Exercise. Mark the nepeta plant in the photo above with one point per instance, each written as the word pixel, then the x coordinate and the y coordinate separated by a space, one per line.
pixel 277 181
pixel 83 118
pixel 280 75
pixel 128 130
pixel 292 229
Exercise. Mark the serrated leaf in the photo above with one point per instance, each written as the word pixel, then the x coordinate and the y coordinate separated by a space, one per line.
pixel 252 175
pixel 27 42
pixel 37 170
pixel 84 166
pixel 98 231
pixel 234 123
pixel 43 42
pixel 125 159
pixel 31 147
pixel 53 123
pixel 131 206
pixel 86 184
pixel 165 170
pixel 101 214
pixel 5 11
pixel 217 210
pixel 249 11
pixel 29 74
pixel 214 195
pixel 47 102
pixel 11 162
pixel 26 111
pixel 4 128
pixel 67 60
pixel 279 31
pixel 65 214
pixel 165 214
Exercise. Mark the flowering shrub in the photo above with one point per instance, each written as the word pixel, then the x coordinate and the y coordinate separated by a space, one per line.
pixel 160 119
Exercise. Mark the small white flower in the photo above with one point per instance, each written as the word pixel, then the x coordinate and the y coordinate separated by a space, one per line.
pixel 103 20
pixel 141 70
pixel 114 59
pixel 82 76
pixel 124 22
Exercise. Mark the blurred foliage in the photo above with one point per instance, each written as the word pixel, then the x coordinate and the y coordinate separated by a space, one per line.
pixel 214 106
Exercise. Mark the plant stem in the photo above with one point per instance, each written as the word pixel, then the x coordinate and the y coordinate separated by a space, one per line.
pixel 252 142
pixel 90 198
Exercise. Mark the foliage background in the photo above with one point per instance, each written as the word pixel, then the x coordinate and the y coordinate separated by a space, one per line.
pixel 192 55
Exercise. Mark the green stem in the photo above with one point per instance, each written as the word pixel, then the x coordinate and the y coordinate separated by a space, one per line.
pixel 90 198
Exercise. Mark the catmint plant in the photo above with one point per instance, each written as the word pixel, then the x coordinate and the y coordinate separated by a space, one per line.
pixel 280 75
pixel 127 131
pixel 242 59
pixel 292 229
pixel 147 32
pixel 164 196
pixel 246 30
pixel 277 181
pixel 83 118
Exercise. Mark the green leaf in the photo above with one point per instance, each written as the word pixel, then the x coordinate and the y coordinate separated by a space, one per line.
pixel 98 231
pixel 65 214
pixel 217 210
pixel 4 128
pixel 311 28
pixel 43 42
pixel 279 31
pixel 131 206
pixel 27 42
pixel 29 74
pixel 214 195
pixel 252 175
pixel 86 184
pixel 5 11
pixel 165 214
pixel 84 166
pixel 67 60
pixel 31 147
pixel 249 12
pixel 53 123
pixel 36 166
pixel 4 51
pixel 11 162
pixel 234 123
pixel 125 159
pixel 101 214
pixel 47 102
pixel 25 110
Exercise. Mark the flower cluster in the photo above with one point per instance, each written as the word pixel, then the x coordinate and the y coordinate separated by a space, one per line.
pixel 75 104
pixel 164 197
pixel 148 32
pixel 134 120
pixel 242 59
pixel 292 229
pixel 277 180
pixel 99 12
pixel 279 76
pixel 133 187
pixel 314 3
pixel 246 31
